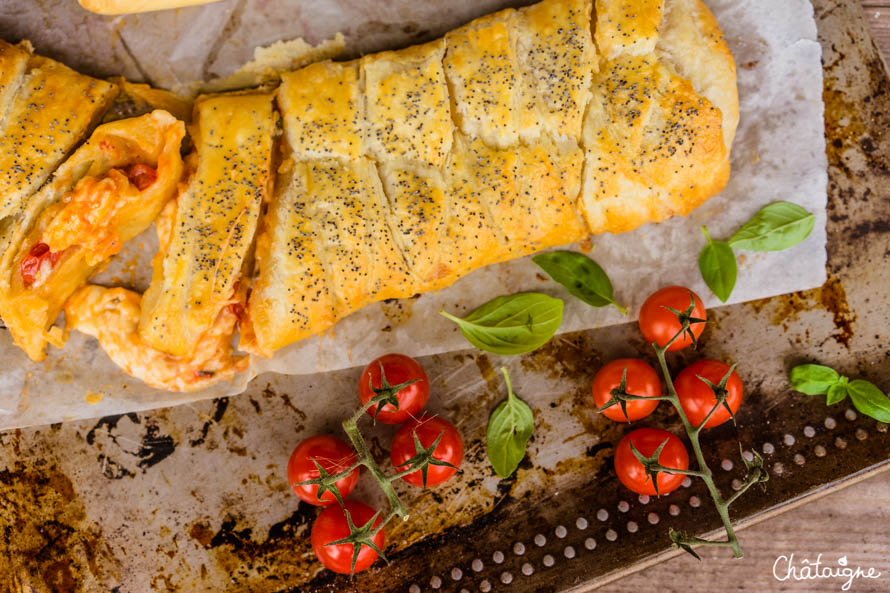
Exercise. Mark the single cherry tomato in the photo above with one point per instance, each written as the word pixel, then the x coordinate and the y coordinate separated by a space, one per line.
pixel 697 397
pixel 334 455
pixel 641 380
pixel 659 325
pixel 331 525
pixel 396 369
pixel 646 440
pixel 428 428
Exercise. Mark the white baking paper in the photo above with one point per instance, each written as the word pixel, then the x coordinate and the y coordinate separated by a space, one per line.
pixel 778 154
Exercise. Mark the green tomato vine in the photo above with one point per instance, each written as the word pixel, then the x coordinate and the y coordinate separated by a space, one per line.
pixel 363 535
pixel 756 474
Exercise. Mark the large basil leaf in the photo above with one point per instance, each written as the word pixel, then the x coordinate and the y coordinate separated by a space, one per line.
pixel 776 227
pixel 581 276
pixel 510 426
pixel 869 400
pixel 813 379
pixel 718 267
pixel 512 324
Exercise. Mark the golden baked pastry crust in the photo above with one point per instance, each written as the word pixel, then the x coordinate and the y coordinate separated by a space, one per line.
pixel 522 130
pixel 47 109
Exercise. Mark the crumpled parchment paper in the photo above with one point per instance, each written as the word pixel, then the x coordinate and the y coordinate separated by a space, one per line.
pixel 779 154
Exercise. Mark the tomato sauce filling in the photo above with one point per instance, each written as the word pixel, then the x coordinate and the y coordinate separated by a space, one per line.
pixel 142 176
pixel 37 257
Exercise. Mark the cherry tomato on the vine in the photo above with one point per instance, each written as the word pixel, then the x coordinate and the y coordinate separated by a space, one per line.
pixel 331 526
pixel 646 440
pixel 334 455
pixel 641 380
pixel 428 428
pixel 660 325
pixel 697 397
pixel 397 369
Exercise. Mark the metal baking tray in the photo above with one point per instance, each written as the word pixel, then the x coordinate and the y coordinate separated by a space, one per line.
pixel 194 498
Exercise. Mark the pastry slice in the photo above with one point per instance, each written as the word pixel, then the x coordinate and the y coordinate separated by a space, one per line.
pixel 653 147
pixel 111 315
pixel 418 210
pixel 197 272
pixel 530 193
pixel 556 59
pixel 321 109
pixel 106 193
pixel 407 105
pixel 291 297
pixel 489 98
pixel 348 213
pixel 47 110
pixel 630 28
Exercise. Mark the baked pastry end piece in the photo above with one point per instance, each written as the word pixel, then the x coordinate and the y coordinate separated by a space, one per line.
pixel 199 265
pixel 106 193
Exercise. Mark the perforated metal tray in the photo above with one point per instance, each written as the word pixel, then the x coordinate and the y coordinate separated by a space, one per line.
pixel 194 498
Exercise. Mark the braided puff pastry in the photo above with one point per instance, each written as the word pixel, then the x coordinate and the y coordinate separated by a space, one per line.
pixel 525 129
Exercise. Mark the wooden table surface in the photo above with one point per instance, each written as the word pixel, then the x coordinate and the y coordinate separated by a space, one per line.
pixel 853 522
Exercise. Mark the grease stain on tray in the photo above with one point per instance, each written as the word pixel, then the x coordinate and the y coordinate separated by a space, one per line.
pixel 831 297
pixel 46 540
pixel 127 446
pixel 281 557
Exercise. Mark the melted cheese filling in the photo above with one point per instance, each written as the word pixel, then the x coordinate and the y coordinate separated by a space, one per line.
pixel 111 315
pixel 87 218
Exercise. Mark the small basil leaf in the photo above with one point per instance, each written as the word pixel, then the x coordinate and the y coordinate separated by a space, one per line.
pixel 869 400
pixel 510 426
pixel 512 324
pixel 718 267
pixel 813 379
pixel 836 393
pixel 776 227
pixel 580 275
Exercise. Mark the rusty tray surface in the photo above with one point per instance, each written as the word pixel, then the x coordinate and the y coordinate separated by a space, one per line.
pixel 194 498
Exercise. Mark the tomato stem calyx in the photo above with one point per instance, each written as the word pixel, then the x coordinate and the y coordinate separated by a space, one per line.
pixel 422 460
pixel 652 467
pixel 620 396
pixel 361 536
pixel 686 322
pixel 720 393
pixel 386 393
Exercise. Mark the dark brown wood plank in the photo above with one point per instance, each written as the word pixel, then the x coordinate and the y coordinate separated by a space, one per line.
pixel 849 523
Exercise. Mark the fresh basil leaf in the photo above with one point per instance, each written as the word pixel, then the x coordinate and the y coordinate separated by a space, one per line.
pixel 718 267
pixel 512 324
pixel 836 393
pixel 510 426
pixel 869 400
pixel 580 275
pixel 776 227
pixel 813 379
